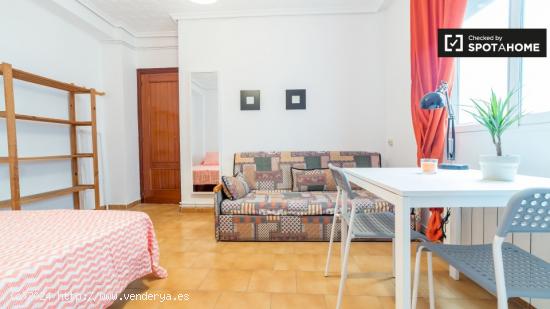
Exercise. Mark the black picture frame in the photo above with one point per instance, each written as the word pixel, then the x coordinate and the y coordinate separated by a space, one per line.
pixel 296 99
pixel 248 96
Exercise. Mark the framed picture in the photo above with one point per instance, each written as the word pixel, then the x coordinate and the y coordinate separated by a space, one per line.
pixel 296 99
pixel 250 100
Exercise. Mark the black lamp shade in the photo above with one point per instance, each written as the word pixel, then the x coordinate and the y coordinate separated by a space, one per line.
pixel 433 100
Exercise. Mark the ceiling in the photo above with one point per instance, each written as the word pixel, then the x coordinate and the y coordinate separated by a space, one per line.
pixel 152 17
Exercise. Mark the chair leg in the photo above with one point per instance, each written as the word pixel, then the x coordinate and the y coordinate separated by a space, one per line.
pixel 393 256
pixel 343 237
pixel 416 277
pixel 330 244
pixel 431 281
pixel 344 272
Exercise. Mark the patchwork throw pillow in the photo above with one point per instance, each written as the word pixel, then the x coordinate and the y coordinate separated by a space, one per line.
pixel 319 179
pixel 235 187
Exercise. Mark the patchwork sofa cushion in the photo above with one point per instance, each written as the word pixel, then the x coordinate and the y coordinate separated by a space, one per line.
pixel 288 203
pixel 272 170
pixel 319 179
pixel 235 187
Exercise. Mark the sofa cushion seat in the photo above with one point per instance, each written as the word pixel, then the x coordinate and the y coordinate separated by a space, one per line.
pixel 288 203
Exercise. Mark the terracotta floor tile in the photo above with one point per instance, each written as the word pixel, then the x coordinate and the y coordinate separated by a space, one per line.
pixel 314 248
pixel 197 300
pixel 297 301
pixel 389 303
pixel 235 300
pixel 273 281
pixel 226 280
pixel 275 247
pixel 354 302
pixel 374 263
pixel 313 282
pixel 370 284
pixel 182 280
pixel 215 260
pixel 311 262
pixel 177 259
pixel 253 261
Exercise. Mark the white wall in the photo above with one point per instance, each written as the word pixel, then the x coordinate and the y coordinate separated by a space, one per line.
pixel 397 86
pixel 336 58
pixel 121 118
pixel 157 57
pixel 35 40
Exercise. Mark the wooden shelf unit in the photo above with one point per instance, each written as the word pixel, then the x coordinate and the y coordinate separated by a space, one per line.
pixel 13 159
pixel 46 119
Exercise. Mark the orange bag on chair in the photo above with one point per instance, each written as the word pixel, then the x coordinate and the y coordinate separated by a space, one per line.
pixel 434 231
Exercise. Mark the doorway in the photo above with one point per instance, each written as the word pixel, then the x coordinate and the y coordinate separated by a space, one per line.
pixel 159 138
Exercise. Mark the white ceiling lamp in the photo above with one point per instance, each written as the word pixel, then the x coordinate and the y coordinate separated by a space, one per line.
pixel 204 1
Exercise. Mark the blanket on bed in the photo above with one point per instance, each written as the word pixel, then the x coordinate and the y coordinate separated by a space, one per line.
pixel 73 258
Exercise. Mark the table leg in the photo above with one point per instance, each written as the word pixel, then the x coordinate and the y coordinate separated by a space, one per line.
pixel 454 236
pixel 402 255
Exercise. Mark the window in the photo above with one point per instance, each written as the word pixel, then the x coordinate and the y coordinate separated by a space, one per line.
pixel 536 79
pixel 476 77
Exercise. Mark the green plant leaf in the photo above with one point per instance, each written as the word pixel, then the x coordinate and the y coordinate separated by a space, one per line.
pixel 495 114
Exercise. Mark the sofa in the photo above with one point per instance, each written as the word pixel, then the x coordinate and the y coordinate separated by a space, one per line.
pixel 271 211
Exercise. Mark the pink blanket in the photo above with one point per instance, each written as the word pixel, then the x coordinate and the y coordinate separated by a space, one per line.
pixel 206 174
pixel 73 258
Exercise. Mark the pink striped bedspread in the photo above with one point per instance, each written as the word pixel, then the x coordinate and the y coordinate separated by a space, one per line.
pixel 206 174
pixel 73 258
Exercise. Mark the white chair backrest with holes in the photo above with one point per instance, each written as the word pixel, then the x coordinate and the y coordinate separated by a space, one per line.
pixel 528 211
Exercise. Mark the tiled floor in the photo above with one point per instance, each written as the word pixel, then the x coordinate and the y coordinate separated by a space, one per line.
pixel 275 275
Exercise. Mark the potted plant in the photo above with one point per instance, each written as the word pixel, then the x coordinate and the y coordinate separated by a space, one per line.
pixel 497 115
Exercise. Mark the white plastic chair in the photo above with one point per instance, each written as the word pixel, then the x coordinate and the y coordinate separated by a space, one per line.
pixel 359 225
pixel 503 268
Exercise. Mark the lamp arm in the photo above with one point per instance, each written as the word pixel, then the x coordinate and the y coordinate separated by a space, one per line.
pixel 451 134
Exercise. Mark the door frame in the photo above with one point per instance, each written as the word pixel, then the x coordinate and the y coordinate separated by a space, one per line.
pixel 139 73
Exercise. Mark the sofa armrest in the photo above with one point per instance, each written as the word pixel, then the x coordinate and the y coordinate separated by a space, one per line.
pixel 218 198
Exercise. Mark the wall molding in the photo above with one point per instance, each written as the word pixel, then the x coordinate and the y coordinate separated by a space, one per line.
pixel 121 25
pixel 276 12
pixel 116 32
pixel 84 14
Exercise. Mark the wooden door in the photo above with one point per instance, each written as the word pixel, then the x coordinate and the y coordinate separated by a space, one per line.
pixel 158 102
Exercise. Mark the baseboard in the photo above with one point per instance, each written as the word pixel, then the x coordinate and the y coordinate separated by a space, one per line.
pixel 196 209
pixel 122 206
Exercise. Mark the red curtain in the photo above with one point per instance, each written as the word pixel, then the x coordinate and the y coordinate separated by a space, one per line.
pixel 427 71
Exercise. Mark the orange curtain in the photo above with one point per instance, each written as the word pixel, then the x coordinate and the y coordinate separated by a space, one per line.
pixel 427 71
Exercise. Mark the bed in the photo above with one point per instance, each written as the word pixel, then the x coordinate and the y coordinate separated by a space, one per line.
pixel 73 258
pixel 206 175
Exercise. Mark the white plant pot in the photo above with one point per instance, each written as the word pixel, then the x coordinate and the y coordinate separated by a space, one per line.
pixel 499 168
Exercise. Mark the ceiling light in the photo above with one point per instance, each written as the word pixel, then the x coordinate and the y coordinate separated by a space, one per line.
pixel 204 1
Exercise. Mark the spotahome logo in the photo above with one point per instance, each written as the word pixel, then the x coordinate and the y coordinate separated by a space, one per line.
pixel 491 42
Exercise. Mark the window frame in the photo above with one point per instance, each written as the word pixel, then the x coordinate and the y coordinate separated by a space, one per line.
pixel 515 79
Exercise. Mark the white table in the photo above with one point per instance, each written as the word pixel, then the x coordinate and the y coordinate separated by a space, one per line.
pixel 408 188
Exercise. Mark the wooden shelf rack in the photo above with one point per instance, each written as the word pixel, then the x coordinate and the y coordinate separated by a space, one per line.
pixel 13 159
